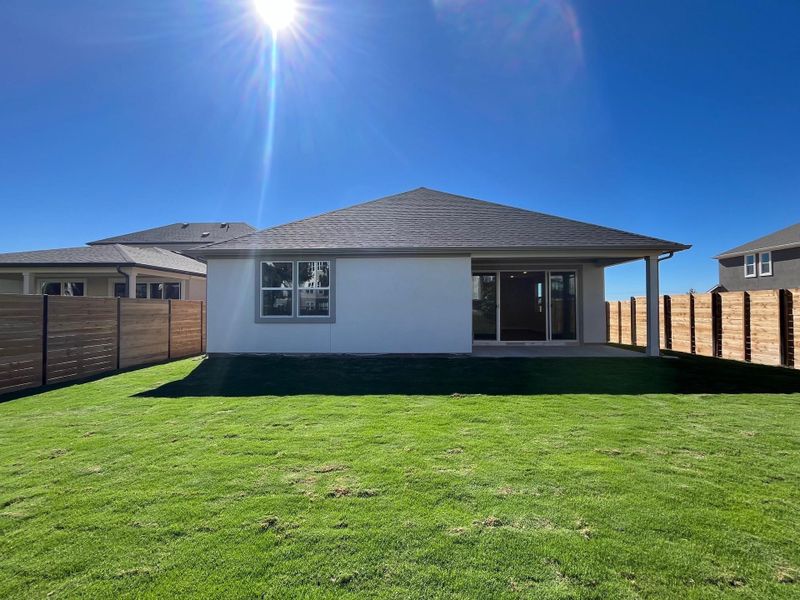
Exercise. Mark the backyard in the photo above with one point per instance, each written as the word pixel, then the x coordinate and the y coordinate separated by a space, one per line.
pixel 406 477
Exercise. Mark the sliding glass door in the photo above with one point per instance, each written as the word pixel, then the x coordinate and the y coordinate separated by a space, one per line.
pixel 484 306
pixel 524 306
pixel 563 306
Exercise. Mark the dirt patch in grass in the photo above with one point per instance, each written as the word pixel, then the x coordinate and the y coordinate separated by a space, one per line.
pixel 330 468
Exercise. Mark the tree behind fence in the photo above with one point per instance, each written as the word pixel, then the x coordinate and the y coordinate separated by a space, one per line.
pixel 54 339
pixel 756 326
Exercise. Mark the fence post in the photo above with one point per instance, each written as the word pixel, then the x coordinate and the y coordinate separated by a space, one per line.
pixel 633 321
pixel 202 326
pixel 716 324
pixel 748 350
pixel 119 330
pixel 692 340
pixel 786 328
pixel 44 339
pixel 667 322
pixel 169 329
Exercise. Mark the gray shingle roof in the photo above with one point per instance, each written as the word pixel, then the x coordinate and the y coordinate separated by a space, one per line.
pixel 182 233
pixel 427 219
pixel 784 238
pixel 110 255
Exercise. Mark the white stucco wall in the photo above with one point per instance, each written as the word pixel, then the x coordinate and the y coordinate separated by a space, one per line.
pixel 594 304
pixel 383 305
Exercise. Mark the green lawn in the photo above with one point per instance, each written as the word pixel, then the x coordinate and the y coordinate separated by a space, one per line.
pixel 493 478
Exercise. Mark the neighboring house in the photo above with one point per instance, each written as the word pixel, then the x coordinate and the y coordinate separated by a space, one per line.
pixel 419 272
pixel 180 236
pixel 769 263
pixel 149 265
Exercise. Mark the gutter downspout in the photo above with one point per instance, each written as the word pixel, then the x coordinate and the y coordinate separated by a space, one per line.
pixel 667 257
pixel 127 280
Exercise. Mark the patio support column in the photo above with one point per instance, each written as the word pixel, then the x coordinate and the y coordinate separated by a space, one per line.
pixel 27 283
pixel 653 342
pixel 132 283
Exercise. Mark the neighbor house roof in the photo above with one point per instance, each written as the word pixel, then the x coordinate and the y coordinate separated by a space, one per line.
pixel 181 233
pixel 784 238
pixel 114 255
pixel 425 219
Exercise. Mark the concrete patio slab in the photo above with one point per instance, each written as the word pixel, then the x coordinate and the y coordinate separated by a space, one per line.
pixel 565 351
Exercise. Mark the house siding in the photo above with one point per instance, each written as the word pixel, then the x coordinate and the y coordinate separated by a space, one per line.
pixel 785 272
pixel 383 305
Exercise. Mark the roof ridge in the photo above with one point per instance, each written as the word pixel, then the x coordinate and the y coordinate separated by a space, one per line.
pixel 123 253
pixel 323 214
pixel 544 214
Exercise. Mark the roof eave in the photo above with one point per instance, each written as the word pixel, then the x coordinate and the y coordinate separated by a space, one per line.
pixel 734 253
pixel 208 251
pixel 84 265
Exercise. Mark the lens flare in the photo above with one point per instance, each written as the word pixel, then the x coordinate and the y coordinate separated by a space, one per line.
pixel 277 14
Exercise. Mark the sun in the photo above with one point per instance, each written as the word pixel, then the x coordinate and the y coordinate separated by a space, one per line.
pixel 277 14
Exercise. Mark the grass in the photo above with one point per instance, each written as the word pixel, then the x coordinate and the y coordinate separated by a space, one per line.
pixel 464 478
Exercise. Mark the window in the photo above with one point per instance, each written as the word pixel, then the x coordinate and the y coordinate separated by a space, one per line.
pixel 313 282
pixel 295 290
pixel 161 290
pixel 765 264
pixel 277 289
pixel 750 265
pixel 164 291
pixel 63 288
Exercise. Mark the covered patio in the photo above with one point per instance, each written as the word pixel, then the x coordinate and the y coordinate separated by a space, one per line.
pixel 552 303
pixel 555 351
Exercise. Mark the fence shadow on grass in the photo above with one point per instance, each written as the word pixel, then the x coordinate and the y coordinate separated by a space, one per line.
pixel 353 376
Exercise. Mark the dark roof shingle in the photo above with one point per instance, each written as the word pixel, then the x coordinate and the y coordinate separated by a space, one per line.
pixel 181 233
pixel 783 238
pixel 106 255
pixel 428 219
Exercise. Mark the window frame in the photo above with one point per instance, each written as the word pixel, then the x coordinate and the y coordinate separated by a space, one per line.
pixel 755 266
pixel 761 272
pixel 295 290
pixel 146 284
pixel 296 285
pixel 62 283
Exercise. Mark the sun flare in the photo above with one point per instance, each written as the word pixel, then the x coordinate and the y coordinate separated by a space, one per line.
pixel 277 14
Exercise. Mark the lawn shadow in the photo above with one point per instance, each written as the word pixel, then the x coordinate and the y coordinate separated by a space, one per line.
pixel 241 376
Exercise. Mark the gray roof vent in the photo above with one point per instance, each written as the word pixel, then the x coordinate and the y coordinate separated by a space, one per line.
pixel 205 234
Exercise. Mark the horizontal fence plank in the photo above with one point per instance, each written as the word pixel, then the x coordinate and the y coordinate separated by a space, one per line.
pixel 703 324
pixel 680 308
pixel 765 332
pixel 21 326
pixel 91 336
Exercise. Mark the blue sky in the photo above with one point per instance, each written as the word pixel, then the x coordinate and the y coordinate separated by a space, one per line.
pixel 678 119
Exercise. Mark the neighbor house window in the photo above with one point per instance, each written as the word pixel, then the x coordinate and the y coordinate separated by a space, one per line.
pixel 314 291
pixel 750 265
pixel 765 264
pixel 162 290
pixel 165 291
pixel 63 288
pixel 277 289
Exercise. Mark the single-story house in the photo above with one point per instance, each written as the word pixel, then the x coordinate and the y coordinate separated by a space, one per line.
pixel 141 264
pixel 771 262
pixel 111 271
pixel 419 272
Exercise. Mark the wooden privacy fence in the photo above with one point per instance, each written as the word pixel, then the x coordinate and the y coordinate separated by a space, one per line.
pixel 53 339
pixel 754 326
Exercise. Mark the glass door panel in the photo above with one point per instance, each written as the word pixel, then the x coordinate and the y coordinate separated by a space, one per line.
pixel 484 307
pixel 523 306
pixel 563 306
